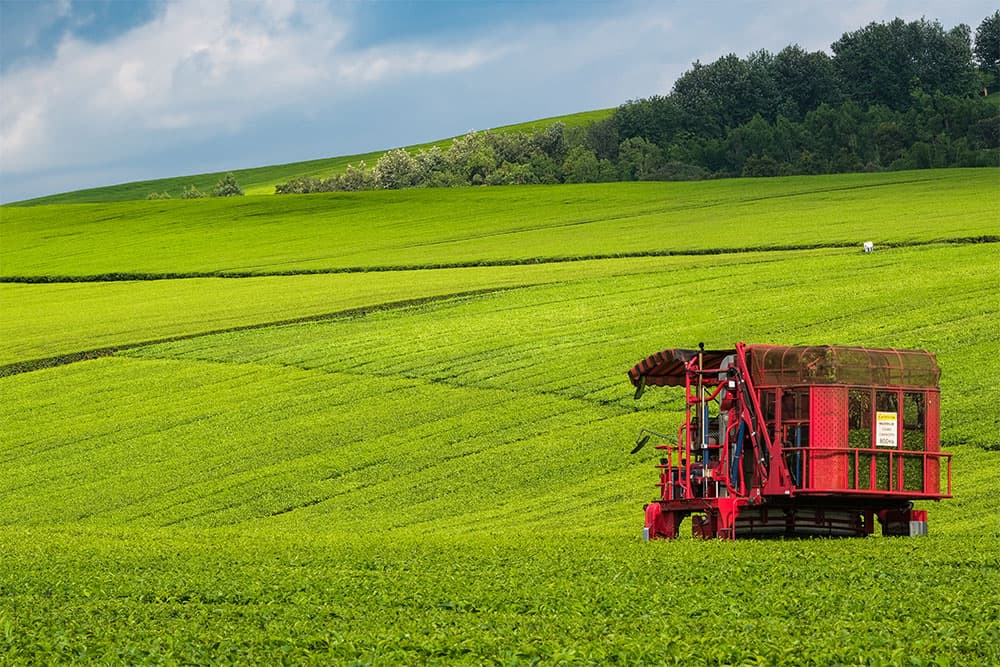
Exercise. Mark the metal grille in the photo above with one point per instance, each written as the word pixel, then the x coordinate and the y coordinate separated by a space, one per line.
pixel 828 415
pixel 773 365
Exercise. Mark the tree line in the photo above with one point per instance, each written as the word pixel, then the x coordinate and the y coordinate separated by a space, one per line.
pixel 893 95
pixel 227 186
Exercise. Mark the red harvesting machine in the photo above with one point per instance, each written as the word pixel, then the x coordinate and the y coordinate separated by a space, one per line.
pixel 780 441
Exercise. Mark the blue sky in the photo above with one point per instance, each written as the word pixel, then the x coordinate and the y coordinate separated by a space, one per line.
pixel 100 92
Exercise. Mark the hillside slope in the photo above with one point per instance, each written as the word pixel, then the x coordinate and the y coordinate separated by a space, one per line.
pixel 518 395
pixel 261 180
pixel 427 228
pixel 437 469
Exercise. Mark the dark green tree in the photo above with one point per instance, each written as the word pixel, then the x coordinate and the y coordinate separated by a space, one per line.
pixel 512 147
pixel 544 169
pixel 804 81
pixel 581 166
pixel 727 93
pixel 753 139
pixel 552 141
pixel 655 119
pixel 891 140
pixel 987 49
pixel 835 134
pixel 639 160
pixel 512 174
pixel 602 138
pixel 764 165
pixel 883 63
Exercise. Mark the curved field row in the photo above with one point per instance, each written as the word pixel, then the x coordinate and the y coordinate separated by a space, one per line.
pixel 578 337
pixel 503 395
pixel 43 320
pixel 245 442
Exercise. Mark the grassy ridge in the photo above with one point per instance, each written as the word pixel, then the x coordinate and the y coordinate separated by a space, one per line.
pixel 420 228
pixel 261 180
pixel 449 481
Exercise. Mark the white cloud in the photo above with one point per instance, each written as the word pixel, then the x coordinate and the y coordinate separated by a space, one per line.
pixel 148 102
pixel 206 67
pixel 382 63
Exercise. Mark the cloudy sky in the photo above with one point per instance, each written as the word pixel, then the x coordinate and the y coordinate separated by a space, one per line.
pixel 105 91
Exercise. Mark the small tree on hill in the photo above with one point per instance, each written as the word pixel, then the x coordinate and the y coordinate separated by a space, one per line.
pixel 638 159
pixel 430 164
pixel 512 174
pixel 227 187
pixel 581 166
pixel 192 192
pixel 357 178
pixel 394 170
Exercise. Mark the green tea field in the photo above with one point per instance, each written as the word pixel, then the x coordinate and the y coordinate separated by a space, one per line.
pixel 394 427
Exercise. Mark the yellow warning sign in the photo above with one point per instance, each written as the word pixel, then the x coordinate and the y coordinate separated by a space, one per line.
pixel 886 429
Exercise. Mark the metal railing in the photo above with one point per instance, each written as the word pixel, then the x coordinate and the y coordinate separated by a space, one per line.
pixel 870 470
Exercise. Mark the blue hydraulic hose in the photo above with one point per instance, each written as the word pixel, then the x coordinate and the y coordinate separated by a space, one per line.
pixel 735 467
pixel 798 455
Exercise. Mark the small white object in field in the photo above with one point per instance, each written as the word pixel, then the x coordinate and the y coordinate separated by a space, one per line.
pixel 869 246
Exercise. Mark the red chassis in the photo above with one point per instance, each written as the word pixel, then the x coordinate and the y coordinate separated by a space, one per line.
pixel 797 441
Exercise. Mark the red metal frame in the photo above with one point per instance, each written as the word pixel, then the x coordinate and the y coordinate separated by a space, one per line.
pixel 727 472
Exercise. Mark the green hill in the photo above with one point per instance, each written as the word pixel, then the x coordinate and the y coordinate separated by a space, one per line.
pixel 403 436
pixel 261 180
pixel 472 226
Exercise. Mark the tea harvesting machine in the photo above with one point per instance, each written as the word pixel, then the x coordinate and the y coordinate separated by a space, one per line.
pixel 779 441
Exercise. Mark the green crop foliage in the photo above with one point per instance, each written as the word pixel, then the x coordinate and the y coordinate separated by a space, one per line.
pixel 208 596
pixel 469 226
pixel 446 480
pixel 37 323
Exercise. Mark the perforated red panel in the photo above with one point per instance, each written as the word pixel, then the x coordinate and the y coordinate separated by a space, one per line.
pixel 828 418
pixel 932 424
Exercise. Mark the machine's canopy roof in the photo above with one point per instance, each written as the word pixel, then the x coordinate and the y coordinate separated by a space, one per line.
pixel 666 368
pixel 787 366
